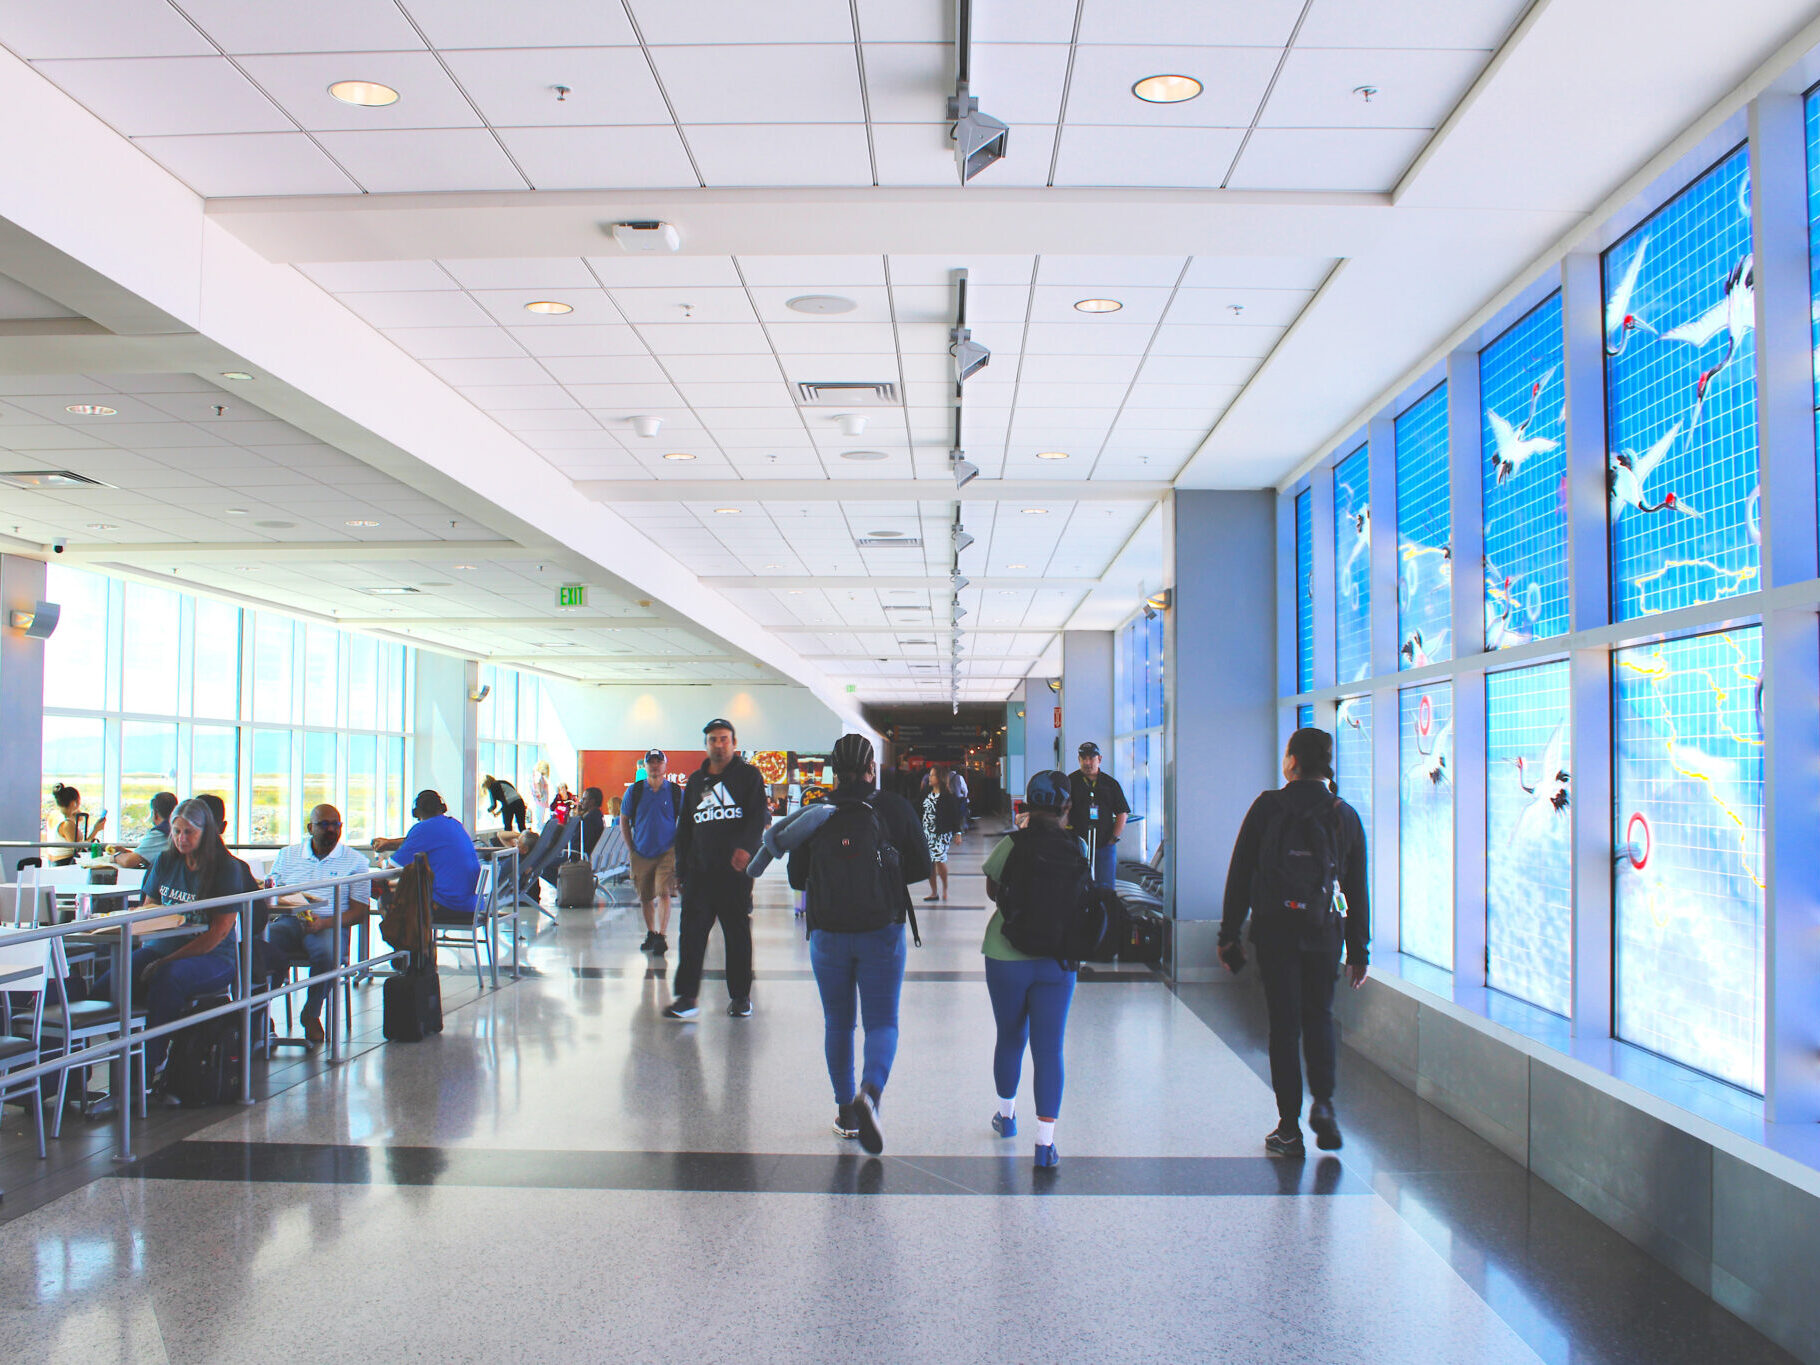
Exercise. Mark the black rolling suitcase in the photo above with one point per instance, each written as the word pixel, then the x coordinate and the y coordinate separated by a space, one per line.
pixel 204 1065
pixel 1142 936
pixel 413 1006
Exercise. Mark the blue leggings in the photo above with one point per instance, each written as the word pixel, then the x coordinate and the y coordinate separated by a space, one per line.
pixel 869 967
pixel 1030 1000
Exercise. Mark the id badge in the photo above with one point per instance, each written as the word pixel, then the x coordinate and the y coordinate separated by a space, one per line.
pixel 1093 813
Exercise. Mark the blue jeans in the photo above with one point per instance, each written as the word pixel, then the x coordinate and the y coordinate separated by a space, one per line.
pixel 286 933
pixel 172 989
pixel 1106 863
pixel 1030 1001
pixel 870 965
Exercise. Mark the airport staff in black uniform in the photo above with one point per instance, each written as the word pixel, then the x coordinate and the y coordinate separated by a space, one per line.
pixel 724 814
pixel 1097 805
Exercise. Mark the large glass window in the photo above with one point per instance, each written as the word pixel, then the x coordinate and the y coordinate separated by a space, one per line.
pixel 271 790
pixel 148 665
pixel 1424 534
pixel 148 765
pixel 508 720
pixel 1352 566
pixel 217 654
pixel 215 763
pixel 75 658
pixel 1688 794
pixel 1304 591
pixel 1524 436
pixel 1137 741
pixel 1425 832
pixel 272 636
pixel 321 659
pixel 1681 399
pixel 1528 837
pixel 73 756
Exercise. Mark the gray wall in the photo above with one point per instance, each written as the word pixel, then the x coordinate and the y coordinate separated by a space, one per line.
pixel 21 704
pixel 1221 686
pixel 1087 695
pixel 446 744
pixel 1039 726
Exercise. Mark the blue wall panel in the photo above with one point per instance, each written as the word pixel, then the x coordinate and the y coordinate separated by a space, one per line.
pixel 1424 534
pixel 1304 591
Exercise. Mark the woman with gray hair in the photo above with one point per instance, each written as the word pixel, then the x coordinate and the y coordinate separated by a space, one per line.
pixel 169 975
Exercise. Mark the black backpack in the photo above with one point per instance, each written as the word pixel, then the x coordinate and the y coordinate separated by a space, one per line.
pixel 204 1065
pixel 856 881
pixel 1049 905
pixel 1298 868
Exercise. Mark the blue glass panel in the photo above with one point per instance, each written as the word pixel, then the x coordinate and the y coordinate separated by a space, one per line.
pixel 1688 889
pixel 1425 832
pixel 1813 232
pixel 1304 717
pixel 1523 432
pixel 1681 400
pixel 1528 844
pixel 1352 567
pixel 1153 697
pixel 1304 591
pixel 1424 534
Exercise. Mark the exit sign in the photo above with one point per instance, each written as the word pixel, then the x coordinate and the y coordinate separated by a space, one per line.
pixel 572 595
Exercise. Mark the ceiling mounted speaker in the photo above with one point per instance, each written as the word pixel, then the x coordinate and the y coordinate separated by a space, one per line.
pixel 646 426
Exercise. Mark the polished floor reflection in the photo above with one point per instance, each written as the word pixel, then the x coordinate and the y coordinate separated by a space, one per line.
pixel 564 1175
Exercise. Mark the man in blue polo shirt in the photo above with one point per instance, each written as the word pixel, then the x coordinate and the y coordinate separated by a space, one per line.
pixel 648 817
pixel 454 864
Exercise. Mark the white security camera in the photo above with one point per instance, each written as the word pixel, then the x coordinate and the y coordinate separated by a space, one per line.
pixel 59 544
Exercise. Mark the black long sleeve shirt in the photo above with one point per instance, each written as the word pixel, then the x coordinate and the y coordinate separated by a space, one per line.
pixel 1354 883
pixel 720 812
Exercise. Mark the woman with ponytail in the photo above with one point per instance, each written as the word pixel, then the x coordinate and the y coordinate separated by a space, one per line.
pixel 1298 871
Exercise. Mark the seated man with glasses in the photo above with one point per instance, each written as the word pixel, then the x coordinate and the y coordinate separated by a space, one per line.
pixel 306 922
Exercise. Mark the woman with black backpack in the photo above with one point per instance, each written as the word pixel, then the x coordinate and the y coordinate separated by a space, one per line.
pixel 1039 879
pixel 856 870
pixel 1298 846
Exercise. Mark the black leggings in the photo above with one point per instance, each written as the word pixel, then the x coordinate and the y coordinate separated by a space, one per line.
pixel 708 898
pixel 1298 991
pixel 514 811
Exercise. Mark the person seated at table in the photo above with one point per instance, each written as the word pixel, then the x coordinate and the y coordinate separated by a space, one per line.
pixel 169 974
pixel 74 827
pixel 454 864
pixel 304 922
pixel 503 797
pixel 157 838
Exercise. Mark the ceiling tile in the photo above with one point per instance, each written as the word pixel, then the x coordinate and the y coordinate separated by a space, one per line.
pixel 319 26
pixel 169 96
pixel 626 398
pixel 502 370
pixel 421 160
pixel 1184 340
pixel 1367 159
pixel 655 272
pixel 833 337
pixel 1415 89
pixel 1061 338
pixel 584 340
pixel 517 88
pixel 237 164
pixel 761 84
pixel 1162 157
pixel 1235 79
pixel 99 28
pixel 1409 23
pixel 359 277
pixel 1256 272
pixel 727 339
pixel 1170 23
pixel 451 343
pixel 601 158
pixel 605 369
pixel 1259 307
pixel 547 272
pixel 700 307
pixel 812 272
pixel 548 23
pixel 1141 306
pixel 738 21
pixel 300 82
pixel 592 307
pixel 1181 369
pixel 807 154
pixel 417 308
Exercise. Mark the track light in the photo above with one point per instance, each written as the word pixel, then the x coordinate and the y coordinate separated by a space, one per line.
pixel 965 472
pixel 969 356
pixel 959 582
pixel 979 139
pixel 961 539
pixel 959 611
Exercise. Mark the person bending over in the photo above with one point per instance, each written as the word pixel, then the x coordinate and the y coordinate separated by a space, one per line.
pixel 503 797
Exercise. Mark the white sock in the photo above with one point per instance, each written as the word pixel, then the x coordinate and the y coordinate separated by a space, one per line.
pixel 1008 1108
pixel 1045 1132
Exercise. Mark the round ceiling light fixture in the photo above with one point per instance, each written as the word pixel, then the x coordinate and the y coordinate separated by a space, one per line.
pixel 1098 306
pixel 235 374
pixel 366 94
pixel 102 526
pixel 886 535
pixel 91 410
pixel 1051 454
pixel 864 455
pixel 822 305
pixel 726 511
pixel 1166 89
pixel 1014 566
pixel 465 568
pixel 234 512
pixel 360 521
pixel 1036 511
pixel 549 307
pixel 679 455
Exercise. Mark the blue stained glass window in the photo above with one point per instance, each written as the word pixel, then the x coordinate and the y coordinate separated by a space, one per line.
pixel 1352 757
pixel 1425 832
pixel 1304 717
pixel 1304 591
pixel 1523 426
pixel 1681 400
pixel 1528 839
pixel 1688 889
pixel 1424 534
pixel 1352 567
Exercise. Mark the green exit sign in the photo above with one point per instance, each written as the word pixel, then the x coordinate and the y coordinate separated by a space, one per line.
pixel 572 595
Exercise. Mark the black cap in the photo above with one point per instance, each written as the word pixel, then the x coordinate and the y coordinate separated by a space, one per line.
pixel 655 756
pixel 1089 749
pixel 719 724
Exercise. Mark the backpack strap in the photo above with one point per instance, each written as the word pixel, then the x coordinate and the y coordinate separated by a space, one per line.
pixel 629 812
pixel 916 936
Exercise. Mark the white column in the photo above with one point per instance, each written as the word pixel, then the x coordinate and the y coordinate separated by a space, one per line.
pixel 21 706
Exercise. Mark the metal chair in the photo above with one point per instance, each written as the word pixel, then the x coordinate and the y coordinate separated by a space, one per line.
pixel 22 1050
pixel 477 929
pixel 68 1023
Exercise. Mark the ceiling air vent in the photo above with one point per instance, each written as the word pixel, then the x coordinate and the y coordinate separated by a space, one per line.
pixel 889 542
pixel 847 395
pixel 48 478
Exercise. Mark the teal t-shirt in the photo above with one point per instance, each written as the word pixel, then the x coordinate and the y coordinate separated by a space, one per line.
pixel 995 944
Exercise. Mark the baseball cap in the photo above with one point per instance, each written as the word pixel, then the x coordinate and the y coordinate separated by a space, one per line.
pixel 1088 750
pixel 718 724
pixel 656 756
pixel 1047 791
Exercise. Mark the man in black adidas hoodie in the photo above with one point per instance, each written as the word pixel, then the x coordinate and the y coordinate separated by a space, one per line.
pixel 723 820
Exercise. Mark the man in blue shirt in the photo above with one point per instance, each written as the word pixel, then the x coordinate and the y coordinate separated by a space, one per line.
pixel 454 864
pixel 158 838
pixel 647 815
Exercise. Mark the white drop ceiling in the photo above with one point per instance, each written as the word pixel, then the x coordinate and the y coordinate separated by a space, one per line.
pixel 1282 247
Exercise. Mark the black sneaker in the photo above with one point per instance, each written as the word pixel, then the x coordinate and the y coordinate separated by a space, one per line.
pixel 846 1120
pixel 740 1009
pixel 865 1113
pixel 645 947
pixel 1285 1140
pixel 683 1007
pixel 1326 1126
pixel 661 945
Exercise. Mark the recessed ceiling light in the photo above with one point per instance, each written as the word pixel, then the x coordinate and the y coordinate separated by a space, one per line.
pixel 360 521
pixel 552 307
pixel 235 374
pixel 796 592
pixel 233 512
pixel 864 455
pixel 1098 306
pixel 366 94
pixel 679 455
pixel 1014 566
pixel 822 303
pixel 276 525
pixel 887 535
pixel 393 592
pixel 726 511
pixel 1036 511
pixel 1051 454
pixel 91 410
pixel 465 568
pixel 774 566
pixel 1166 89
pixel 102 526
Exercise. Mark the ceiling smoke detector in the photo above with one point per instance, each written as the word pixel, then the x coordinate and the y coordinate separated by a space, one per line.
pixel 864 455
pixel 821 304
